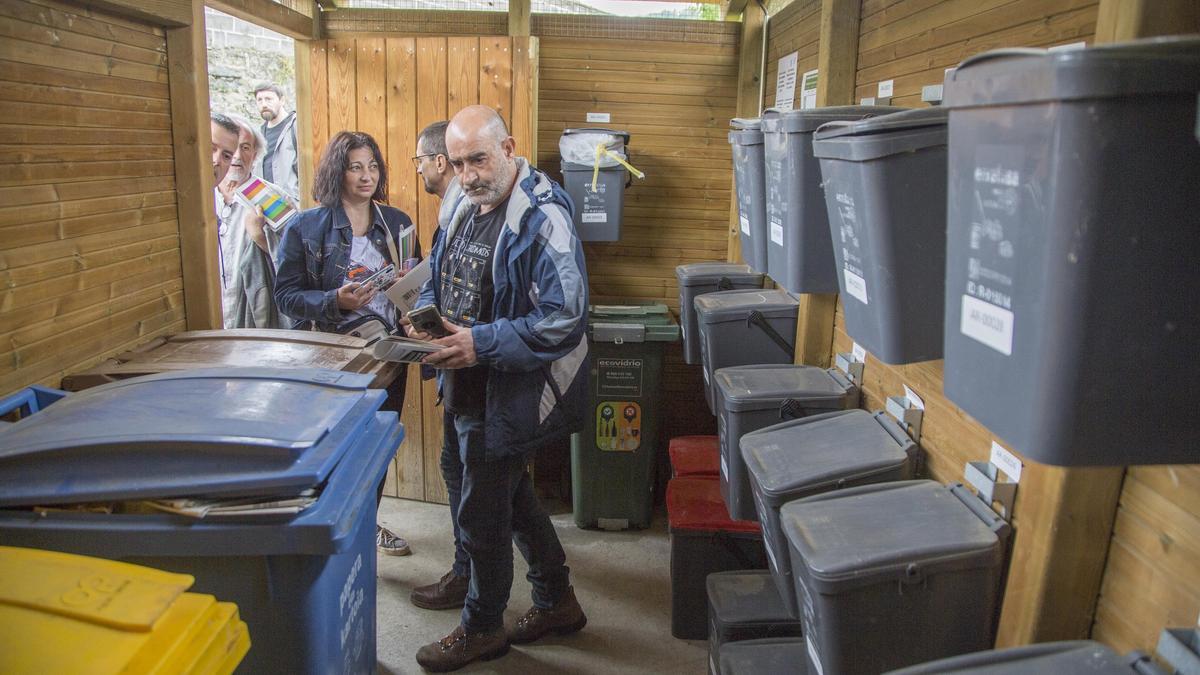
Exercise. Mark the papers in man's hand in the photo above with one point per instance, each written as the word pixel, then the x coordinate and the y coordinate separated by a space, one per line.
pixel 275 206
pixel 407 289
pixel 229 508
pixel 403 349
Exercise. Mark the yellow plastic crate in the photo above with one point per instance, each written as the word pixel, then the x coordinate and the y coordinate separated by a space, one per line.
pixel 66 613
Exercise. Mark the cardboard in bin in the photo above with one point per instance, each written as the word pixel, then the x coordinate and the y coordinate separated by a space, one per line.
pixel 247 347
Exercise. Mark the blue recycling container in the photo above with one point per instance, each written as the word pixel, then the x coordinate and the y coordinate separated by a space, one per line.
pixel 305 584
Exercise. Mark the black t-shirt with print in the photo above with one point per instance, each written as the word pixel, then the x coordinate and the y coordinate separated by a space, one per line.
pixel 466 294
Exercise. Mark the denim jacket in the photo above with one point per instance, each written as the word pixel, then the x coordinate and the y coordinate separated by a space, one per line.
pixel 312 258
pixel 536 344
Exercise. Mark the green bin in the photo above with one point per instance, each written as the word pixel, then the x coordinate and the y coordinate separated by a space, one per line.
pixel 613 458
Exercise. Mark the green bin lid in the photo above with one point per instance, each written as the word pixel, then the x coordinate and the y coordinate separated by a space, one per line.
pixel 632 322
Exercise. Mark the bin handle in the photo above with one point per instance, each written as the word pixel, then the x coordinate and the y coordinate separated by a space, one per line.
pixel 30 400
pixel 791 409
pixel 601 151
pixel 756 318
pixel 999 54
pixel 725 284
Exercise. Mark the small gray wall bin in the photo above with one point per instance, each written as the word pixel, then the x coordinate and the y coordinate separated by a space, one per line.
pixel 696 279
pixel 746 137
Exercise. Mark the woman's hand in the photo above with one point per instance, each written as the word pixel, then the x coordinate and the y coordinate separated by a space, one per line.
pixel 353 295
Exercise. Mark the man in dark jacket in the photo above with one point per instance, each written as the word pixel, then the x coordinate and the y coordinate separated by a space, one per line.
pixel 508 275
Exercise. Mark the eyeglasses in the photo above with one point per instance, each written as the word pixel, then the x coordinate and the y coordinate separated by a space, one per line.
pixel 416 160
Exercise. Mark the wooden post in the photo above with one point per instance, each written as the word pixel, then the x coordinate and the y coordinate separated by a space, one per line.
pixel 187 60
pixel 1120 20
pixel 750 47
pixel 837 61
pixel 518 18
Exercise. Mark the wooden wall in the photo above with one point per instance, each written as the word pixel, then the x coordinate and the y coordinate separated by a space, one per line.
pixel 675 98
pixel 1151 565
pixel 392 87
pixel 89 241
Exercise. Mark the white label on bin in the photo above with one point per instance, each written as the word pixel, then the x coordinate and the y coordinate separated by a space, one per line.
pixel 724 467
pixel 856 286
pixel 1070 46
pixel 776 233
pixel 745 222
pixel 813 656
pixel 987 323
pixel 858 352
pixel 599 117
pixel 885 89
pixel 596 217
pixel 1006 462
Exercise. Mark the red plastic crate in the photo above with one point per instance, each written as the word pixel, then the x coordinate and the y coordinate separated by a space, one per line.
pixel 695 456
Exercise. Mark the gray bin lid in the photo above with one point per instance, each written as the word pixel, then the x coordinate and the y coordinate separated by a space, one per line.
pixel 887 532
pixel 1015 76
pixel 746 597
pixel 745 131
pixel 1072 657
pixel 805 456
pixel 707 273
pixel 766 386
pixel 735 305
pixel 214 431
pixel 805 121
pixel 876 137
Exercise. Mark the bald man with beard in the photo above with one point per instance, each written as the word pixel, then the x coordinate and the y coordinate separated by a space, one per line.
pixel 508 277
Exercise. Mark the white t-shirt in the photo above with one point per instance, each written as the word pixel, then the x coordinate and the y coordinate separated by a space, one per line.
pixel 365 260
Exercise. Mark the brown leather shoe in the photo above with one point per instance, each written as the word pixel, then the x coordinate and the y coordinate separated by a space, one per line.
pixel 460 648
pixel 564 617
pixel 448 592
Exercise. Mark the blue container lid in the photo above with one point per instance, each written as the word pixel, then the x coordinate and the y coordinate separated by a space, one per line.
pixel 220 431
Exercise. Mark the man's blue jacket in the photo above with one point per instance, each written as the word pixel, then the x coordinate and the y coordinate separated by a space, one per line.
pixel 536 345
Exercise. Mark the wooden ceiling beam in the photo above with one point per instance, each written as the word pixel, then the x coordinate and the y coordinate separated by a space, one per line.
pixel 272 15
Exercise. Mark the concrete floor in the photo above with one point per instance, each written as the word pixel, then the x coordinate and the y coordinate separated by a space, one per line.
pixel 622 580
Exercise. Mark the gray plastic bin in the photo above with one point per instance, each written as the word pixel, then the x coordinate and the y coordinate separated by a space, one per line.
pixel 739 328
pixel 1072 250
pixel 752 397
pixel 1074 657
pixel 799 251
pixel 885 192
pixel 812 455
pixel 597 212
pixel 707 277
pixel 746 138
pixel 895 574
pixel 769 656
pixel 744 605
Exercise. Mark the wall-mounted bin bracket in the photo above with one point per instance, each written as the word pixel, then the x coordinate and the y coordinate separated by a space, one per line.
pixel 852 367
pixel 908 415
pixel 985 478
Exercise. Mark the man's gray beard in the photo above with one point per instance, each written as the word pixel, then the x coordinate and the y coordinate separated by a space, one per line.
pixel 494 193
pixel 267 115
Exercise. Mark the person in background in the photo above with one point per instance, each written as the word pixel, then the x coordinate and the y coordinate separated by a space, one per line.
pixel 224 145
pixel 280 163
pixel 433 165
pixel 508 276
pixel 351 235
pixel 247 271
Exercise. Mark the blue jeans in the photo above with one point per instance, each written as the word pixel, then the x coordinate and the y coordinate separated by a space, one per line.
pixel 496 508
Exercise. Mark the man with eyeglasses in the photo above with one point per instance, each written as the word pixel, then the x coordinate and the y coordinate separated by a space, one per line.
pixel 433 165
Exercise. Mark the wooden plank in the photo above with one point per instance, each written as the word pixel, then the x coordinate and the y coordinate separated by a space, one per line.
pixel 432 103
pixel 33 135
pixel 106 18
pixel 1120 20
pixel 432 426
pixel 44 94
pixel 343 95
pixel 318 66
pixel 370 83
pixel 410 460
pixel 304 123
pixel 55 115
pixel 32 154
pixel 79 22
pixel 170 13
pixel 38 54
pixel 50 211
pixel 462 73
pixel 269 14
pixel 402 126
pixel 496 75
pixel 187 56
pixel 40 33
pixel 89 83
pixel 526 82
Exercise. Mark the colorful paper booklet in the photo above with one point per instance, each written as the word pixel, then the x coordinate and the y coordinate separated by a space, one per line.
pixel 275 207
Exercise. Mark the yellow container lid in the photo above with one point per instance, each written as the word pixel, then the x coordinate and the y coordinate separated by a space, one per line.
pixel 66 613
